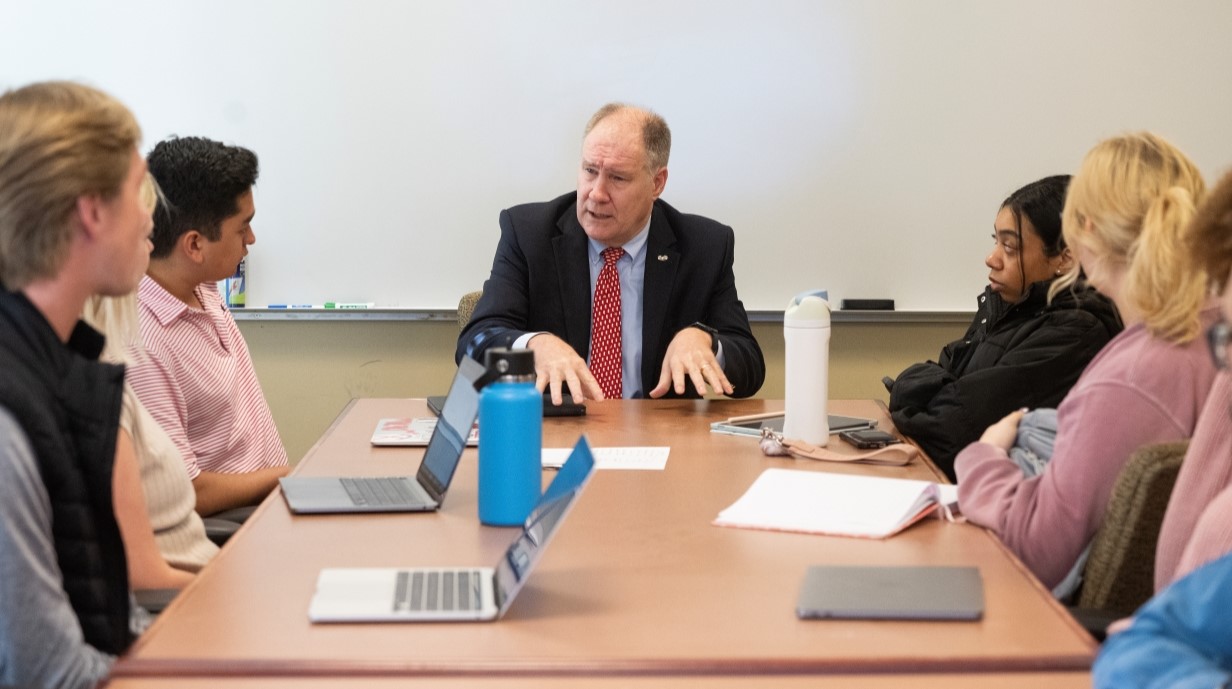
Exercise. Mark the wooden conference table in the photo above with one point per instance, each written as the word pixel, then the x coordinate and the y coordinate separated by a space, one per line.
pixel 637 581
pixel 1011 680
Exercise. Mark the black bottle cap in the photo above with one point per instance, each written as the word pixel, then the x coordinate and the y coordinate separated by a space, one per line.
pixel 509 362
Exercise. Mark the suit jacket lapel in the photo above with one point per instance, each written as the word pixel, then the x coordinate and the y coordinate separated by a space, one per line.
pixel 662 258
pixel 573 276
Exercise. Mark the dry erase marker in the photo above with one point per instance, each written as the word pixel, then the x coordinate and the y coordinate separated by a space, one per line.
pixel 292 306
pixel 349 304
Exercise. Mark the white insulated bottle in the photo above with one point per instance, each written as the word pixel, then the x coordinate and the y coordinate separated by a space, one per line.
pixel 806 333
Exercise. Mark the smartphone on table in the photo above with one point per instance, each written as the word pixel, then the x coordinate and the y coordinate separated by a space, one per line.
pixel 868 439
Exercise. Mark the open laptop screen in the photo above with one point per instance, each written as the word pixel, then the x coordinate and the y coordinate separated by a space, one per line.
pixel 520 558
pixel 454 425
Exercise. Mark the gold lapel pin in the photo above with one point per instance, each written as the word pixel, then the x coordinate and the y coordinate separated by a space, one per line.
pixel 662 257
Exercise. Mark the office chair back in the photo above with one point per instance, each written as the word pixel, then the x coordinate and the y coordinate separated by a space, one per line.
pixel 466 307
pixel 1120 574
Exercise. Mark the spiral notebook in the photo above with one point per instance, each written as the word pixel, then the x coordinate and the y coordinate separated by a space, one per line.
pixel 820 502
pixel 411 432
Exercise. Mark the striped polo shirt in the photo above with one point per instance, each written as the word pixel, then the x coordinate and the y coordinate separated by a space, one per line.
pixel 196 379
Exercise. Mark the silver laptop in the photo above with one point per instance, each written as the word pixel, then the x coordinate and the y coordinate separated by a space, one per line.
pixel 891 593
pixel 443 594
pixel 420 493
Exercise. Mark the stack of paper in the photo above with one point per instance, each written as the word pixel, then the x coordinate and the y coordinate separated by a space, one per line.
pixel 834 504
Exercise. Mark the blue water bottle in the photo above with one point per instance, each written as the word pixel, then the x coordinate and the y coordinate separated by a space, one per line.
pixel 510 438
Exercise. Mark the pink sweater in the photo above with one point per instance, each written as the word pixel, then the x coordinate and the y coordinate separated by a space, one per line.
pixel 1139 390
pixel 1199 519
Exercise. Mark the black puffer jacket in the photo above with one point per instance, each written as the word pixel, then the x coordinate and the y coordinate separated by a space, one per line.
pixel 1027 354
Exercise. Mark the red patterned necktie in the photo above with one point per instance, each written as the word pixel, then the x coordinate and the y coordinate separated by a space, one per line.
pixel 605 327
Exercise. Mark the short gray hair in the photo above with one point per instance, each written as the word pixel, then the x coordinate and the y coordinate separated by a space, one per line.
pixel 656 137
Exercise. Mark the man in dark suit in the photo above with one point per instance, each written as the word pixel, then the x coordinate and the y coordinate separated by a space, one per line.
pixel 679 316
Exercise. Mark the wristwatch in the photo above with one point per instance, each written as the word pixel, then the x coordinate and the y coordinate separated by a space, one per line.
pixel 714 335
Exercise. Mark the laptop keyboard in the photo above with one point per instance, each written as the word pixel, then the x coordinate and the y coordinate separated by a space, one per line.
pixel 451 590
pixel 379 491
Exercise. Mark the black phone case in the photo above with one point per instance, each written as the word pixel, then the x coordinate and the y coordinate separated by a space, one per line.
pixel 863 443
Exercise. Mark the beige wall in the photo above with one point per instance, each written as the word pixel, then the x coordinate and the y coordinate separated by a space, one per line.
pixel 311 369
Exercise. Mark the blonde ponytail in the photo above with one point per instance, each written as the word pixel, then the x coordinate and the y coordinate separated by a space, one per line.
pixel 1137 194
pixel 1162 283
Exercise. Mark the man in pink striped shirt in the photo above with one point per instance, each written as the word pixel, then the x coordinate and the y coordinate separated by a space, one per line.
pixel 196 377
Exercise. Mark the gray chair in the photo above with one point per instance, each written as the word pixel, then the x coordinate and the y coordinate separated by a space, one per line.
pixel 155 600
pixel 220 527
pixel 466 307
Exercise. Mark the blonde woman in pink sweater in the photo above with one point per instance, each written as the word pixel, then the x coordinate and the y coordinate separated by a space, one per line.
pixel 1125 216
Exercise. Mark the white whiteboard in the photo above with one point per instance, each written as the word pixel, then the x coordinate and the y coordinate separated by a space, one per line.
pixel 862 146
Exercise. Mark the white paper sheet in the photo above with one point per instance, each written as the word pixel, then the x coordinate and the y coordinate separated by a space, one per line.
pixel 632 458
